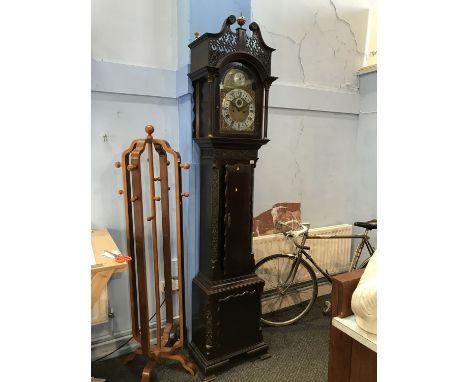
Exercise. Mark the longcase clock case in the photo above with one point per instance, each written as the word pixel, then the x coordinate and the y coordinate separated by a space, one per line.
pixel 226 292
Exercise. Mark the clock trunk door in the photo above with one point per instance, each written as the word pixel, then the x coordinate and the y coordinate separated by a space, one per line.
pixel 238 259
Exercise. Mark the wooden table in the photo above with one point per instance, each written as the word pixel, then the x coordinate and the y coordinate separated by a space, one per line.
pixel 105 267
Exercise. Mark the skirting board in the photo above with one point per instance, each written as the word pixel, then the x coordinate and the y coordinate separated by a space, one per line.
pixel 324 289
pixel 107 344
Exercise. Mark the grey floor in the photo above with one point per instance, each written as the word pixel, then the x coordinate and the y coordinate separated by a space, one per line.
pixel 299 353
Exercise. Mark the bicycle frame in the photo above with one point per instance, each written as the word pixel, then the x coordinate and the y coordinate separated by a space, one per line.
pixel 301 274
pixel 301 250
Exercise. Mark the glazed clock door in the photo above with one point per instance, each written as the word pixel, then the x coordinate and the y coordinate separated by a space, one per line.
pixel 237 229
pixel 238 114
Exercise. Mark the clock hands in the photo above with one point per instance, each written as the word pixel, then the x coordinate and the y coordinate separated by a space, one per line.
pixel 238 110
pixel 244 106
pixel 239 103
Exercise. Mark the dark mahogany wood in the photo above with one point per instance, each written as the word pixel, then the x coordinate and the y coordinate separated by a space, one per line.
pixel 237 211
pixel 226 293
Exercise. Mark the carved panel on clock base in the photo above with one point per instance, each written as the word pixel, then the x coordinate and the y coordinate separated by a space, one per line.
pixel 226 323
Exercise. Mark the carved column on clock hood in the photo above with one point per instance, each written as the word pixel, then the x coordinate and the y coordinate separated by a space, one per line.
pixel 230 73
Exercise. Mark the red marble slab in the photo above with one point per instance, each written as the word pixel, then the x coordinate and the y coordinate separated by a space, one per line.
pixel 264 223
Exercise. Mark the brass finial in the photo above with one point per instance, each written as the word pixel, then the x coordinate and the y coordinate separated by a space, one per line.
pixel 241 20
pixel 149 129
pixel 196 34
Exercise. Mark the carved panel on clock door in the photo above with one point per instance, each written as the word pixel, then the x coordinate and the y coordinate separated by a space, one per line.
pixel 237 218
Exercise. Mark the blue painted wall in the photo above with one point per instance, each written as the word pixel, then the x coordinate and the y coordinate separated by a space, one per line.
pixel 125 98
pixel 208 15
pixel 365 184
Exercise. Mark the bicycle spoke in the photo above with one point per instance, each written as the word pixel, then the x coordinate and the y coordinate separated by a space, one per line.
pixel 284 303
pixel 277 272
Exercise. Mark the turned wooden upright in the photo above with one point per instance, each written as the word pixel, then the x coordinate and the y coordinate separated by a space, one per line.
pixel 172 337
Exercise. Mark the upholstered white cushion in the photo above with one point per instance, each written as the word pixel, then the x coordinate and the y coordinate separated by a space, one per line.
pixel 364 300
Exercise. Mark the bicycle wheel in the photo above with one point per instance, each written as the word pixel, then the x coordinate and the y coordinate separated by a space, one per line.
pixel 285 304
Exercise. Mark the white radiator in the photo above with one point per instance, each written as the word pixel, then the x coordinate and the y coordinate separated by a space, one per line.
pixel 333 255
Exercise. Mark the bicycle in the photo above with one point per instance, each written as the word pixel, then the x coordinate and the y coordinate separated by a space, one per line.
pixel 290 281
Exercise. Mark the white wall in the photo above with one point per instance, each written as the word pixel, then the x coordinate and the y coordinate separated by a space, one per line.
pixel 320 43
pixel 310 159
pixel 314 128
pixel 142 32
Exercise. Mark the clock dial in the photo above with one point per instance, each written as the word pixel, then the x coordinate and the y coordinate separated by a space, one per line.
pixel 238 110
pixel 237 103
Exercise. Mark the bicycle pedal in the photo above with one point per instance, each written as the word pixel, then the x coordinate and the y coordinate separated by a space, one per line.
pixel 326 309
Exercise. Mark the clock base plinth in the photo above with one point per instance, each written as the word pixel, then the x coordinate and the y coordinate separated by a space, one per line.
pixel 207 368
pixel 226 321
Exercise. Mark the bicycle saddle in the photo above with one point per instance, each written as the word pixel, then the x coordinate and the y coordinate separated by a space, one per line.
pixel 371 224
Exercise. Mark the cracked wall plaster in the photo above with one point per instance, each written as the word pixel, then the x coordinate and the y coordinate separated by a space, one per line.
pixel 320 43
pixel 309 160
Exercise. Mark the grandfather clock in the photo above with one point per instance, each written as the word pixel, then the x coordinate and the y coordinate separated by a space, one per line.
pixel 231 79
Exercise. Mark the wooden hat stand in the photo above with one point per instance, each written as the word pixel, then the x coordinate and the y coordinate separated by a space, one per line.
pixel 172 337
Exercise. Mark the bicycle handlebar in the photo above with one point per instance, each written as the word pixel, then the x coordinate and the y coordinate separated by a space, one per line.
pixel 294 234
pixel 302 231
